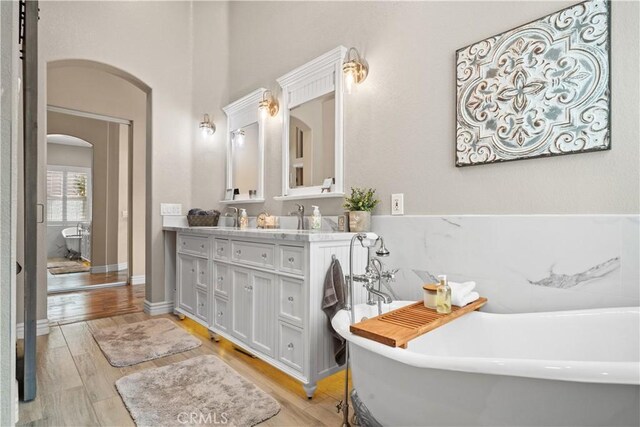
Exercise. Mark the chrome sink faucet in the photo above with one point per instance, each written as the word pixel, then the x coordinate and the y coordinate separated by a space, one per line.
pixel 236 215
pixel 299 212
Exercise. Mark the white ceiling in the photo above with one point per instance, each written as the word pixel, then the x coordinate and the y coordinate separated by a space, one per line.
pixel 67 140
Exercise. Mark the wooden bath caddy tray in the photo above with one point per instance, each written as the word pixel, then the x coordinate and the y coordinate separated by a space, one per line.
pixel 396 328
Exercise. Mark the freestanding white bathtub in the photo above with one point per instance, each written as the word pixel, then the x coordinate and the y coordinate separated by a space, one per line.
pixel 541 369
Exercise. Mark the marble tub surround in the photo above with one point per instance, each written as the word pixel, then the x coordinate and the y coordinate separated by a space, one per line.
pixel 521 263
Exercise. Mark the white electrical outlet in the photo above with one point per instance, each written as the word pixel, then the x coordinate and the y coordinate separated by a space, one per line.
pixel 170 209
pixel 397 204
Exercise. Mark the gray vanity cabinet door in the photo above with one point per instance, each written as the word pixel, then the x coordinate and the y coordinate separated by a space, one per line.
pixel 241 301
pixel 263 329
pixel 187 282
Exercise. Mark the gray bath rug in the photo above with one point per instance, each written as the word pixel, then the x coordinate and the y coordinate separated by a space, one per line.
pixel 141 341
pixel 199 391
pixel 65 266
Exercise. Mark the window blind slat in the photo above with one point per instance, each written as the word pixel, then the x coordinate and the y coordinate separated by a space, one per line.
pixel 67 196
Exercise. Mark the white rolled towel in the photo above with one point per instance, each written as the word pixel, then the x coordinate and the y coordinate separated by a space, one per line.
pixel 461 289
pixel 467 299
pixel 462 293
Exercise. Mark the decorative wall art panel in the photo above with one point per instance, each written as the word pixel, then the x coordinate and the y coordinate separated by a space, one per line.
pixel 538 90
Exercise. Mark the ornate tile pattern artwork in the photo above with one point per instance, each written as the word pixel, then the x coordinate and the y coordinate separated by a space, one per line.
pixel 538 90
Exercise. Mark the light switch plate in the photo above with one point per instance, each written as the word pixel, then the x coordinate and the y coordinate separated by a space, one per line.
pixel 170 209
pixel 397 204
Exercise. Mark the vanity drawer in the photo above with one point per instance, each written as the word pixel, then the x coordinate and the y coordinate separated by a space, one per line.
pixel 221 249
pixel 221 315
pixel 291 295
pixel 257 254
pixel 292 259
pixel 193 245
pixel 202 305
pixel 221 282
pixel 291 346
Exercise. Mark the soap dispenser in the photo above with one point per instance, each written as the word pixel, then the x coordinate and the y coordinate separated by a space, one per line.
pixel 316 219
pixel 443 296
pixel 244 219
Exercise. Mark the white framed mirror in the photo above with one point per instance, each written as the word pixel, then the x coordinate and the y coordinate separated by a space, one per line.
pixel 245 150
pixel 313 131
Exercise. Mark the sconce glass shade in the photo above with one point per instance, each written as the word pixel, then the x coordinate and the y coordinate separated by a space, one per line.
pixel 238 136
pixel 206 126
pixel 268 106
pixel 355 69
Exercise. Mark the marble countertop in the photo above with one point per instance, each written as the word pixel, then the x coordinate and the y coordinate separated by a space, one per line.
pixel 277 234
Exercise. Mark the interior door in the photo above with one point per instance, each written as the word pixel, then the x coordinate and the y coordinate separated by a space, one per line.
pixel 29 39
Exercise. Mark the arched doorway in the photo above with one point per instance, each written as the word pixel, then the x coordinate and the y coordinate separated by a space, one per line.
pixel 81 92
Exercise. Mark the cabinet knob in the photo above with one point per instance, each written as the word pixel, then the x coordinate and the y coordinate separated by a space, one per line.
pixel 291 259
pixel 192 270
pixel 220 250
pixel 290 299
pixel 264 256
pixel 219 314
pixel 202 272
pixel 184 243
pixel 238 252
pixel 220 279
pixel 202 246
pixel 290 346
pixel 249 288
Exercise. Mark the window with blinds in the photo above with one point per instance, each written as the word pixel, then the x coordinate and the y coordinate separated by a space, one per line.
pixel 68 195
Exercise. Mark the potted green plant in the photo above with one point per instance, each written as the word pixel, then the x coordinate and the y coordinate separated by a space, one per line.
pixel 360 204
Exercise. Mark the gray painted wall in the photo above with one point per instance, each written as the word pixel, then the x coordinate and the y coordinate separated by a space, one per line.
pixel 67 155
pixel 400 124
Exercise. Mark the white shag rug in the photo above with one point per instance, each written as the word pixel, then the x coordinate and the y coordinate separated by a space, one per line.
pixel 199 391
pixel 141 341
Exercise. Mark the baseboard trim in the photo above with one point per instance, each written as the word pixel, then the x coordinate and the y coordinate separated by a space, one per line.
pixel 42 328
pixel 109 268
pixel 137 280
pixel 156 308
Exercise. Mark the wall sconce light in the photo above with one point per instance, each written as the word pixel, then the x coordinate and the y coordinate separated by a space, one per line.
pixel 238 136
pixel 268 106
pixel 354 68
pixel 206 126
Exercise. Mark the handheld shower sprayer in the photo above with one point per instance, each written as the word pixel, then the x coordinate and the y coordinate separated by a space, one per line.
pixel 382 251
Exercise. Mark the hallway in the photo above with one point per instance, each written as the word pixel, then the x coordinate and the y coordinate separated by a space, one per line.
pixel 85 281
pixel 78 306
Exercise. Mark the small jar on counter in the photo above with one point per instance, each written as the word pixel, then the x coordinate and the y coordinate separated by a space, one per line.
pixel 430 292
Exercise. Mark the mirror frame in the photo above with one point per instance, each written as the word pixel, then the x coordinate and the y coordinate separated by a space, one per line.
pixel 241 113
pixel 317 77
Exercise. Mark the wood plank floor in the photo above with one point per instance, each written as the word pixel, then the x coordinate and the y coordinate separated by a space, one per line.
pixel 76 281
pixel 76 383
pixel 94 304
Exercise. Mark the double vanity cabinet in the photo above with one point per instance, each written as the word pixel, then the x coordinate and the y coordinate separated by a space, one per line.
pixel 262 290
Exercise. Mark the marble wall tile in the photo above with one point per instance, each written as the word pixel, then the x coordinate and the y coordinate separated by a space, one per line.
pixel 521 263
